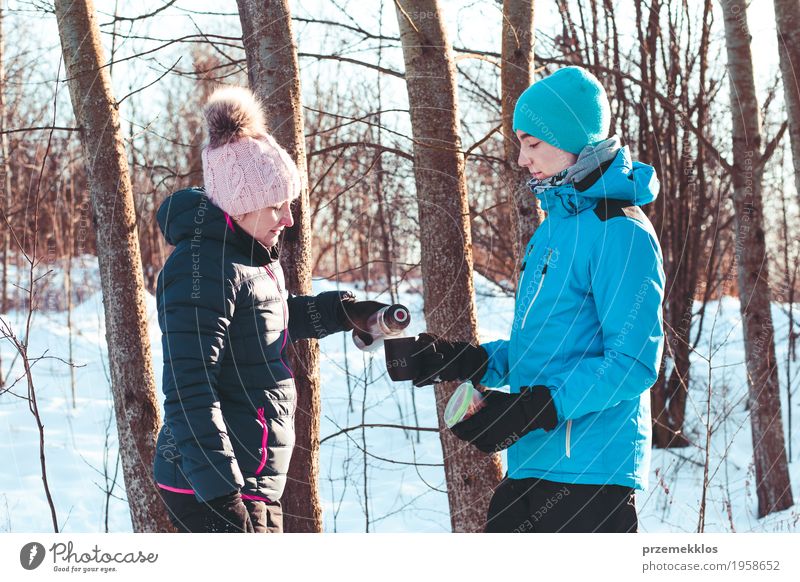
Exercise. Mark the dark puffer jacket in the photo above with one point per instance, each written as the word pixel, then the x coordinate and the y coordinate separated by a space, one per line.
pixel 226 319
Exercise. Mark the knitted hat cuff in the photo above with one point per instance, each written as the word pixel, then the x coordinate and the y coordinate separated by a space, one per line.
pixel 249 174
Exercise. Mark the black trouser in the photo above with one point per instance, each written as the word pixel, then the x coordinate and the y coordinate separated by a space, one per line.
pixel 537 505
pixel 191 516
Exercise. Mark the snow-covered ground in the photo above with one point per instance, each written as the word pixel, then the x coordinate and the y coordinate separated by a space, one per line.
pixel 404 489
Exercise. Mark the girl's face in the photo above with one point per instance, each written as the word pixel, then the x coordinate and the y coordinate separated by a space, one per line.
pixel 542 159
pixel 266 225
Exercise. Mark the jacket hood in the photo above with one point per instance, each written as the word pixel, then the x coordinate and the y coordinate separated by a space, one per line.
pixel 186 212
pixel 620 179
pixel 189 214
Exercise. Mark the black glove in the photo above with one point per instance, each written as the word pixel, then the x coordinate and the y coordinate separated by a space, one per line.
pixel 356 314
pixel 228 514
pixel 440 360
pixel 505 418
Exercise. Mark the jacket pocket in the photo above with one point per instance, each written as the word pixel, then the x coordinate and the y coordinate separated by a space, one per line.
pixel 264 438
pixel 538 289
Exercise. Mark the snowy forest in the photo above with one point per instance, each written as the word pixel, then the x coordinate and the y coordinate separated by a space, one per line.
pixel 399 116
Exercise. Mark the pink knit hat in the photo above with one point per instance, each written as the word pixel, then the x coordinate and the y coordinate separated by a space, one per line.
pixel 244 168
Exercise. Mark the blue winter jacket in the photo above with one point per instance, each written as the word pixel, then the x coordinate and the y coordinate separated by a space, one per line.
pixel 588 325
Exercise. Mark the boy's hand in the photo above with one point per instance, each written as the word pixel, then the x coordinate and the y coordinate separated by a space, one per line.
pixel 505 418
pixel 441 360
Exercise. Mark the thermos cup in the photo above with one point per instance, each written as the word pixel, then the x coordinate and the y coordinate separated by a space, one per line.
pixel 385 323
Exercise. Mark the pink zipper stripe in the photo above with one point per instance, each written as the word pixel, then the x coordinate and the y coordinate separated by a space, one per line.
pixel 264 434
pixel 255 498
pixel 191 492
pixel 228 220
pixel 176 490
pixel 285 318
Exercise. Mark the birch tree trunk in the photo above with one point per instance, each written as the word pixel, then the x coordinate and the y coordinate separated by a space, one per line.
pixel 445 237
pixel 132 381
pixel 773 487
pixel 787 20
pixel 275 77
pixel 516 75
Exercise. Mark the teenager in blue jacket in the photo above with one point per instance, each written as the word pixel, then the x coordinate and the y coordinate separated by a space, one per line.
pixel 586 342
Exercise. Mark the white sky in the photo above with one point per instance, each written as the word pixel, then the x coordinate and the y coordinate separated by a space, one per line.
pixel 471 23
pixel 468 26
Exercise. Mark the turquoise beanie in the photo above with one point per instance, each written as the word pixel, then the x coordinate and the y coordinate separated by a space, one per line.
pixel 569 110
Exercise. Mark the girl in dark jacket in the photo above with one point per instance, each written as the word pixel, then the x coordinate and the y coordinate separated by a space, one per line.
pixel 226 319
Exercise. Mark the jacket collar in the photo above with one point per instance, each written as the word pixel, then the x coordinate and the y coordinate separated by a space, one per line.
pixel 618 179
pixel 189 214
pixel 251 247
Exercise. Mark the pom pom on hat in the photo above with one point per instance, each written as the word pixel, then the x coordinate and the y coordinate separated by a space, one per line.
pixel 233 113
pixel 244 168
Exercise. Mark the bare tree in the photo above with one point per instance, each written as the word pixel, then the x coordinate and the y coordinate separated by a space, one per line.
pixel 789 256
pixel 445 237
pixel 21 346
pixel 516 75
pixel 5 176
pixel 787 20
pixel 773 487
pixel 132 380
pixel 275 77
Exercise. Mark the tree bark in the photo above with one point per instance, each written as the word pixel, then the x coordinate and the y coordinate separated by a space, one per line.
pixel 516 75
pixel 445 238
pixel 5 177
pixel 132 380
pixel 787 20
pixel 275 77
pixel 773 487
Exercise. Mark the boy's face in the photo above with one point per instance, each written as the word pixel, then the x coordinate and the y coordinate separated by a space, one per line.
pixel 542 159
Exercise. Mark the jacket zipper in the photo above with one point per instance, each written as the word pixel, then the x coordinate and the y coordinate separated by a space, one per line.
pixel 569 429
pixel 522 271
pixel 280 291
pixel 264 433
pixel 285 317
pixel 538 288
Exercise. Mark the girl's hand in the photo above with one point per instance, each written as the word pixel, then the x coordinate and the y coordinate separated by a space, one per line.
pixel 228 514
pixel 356 314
